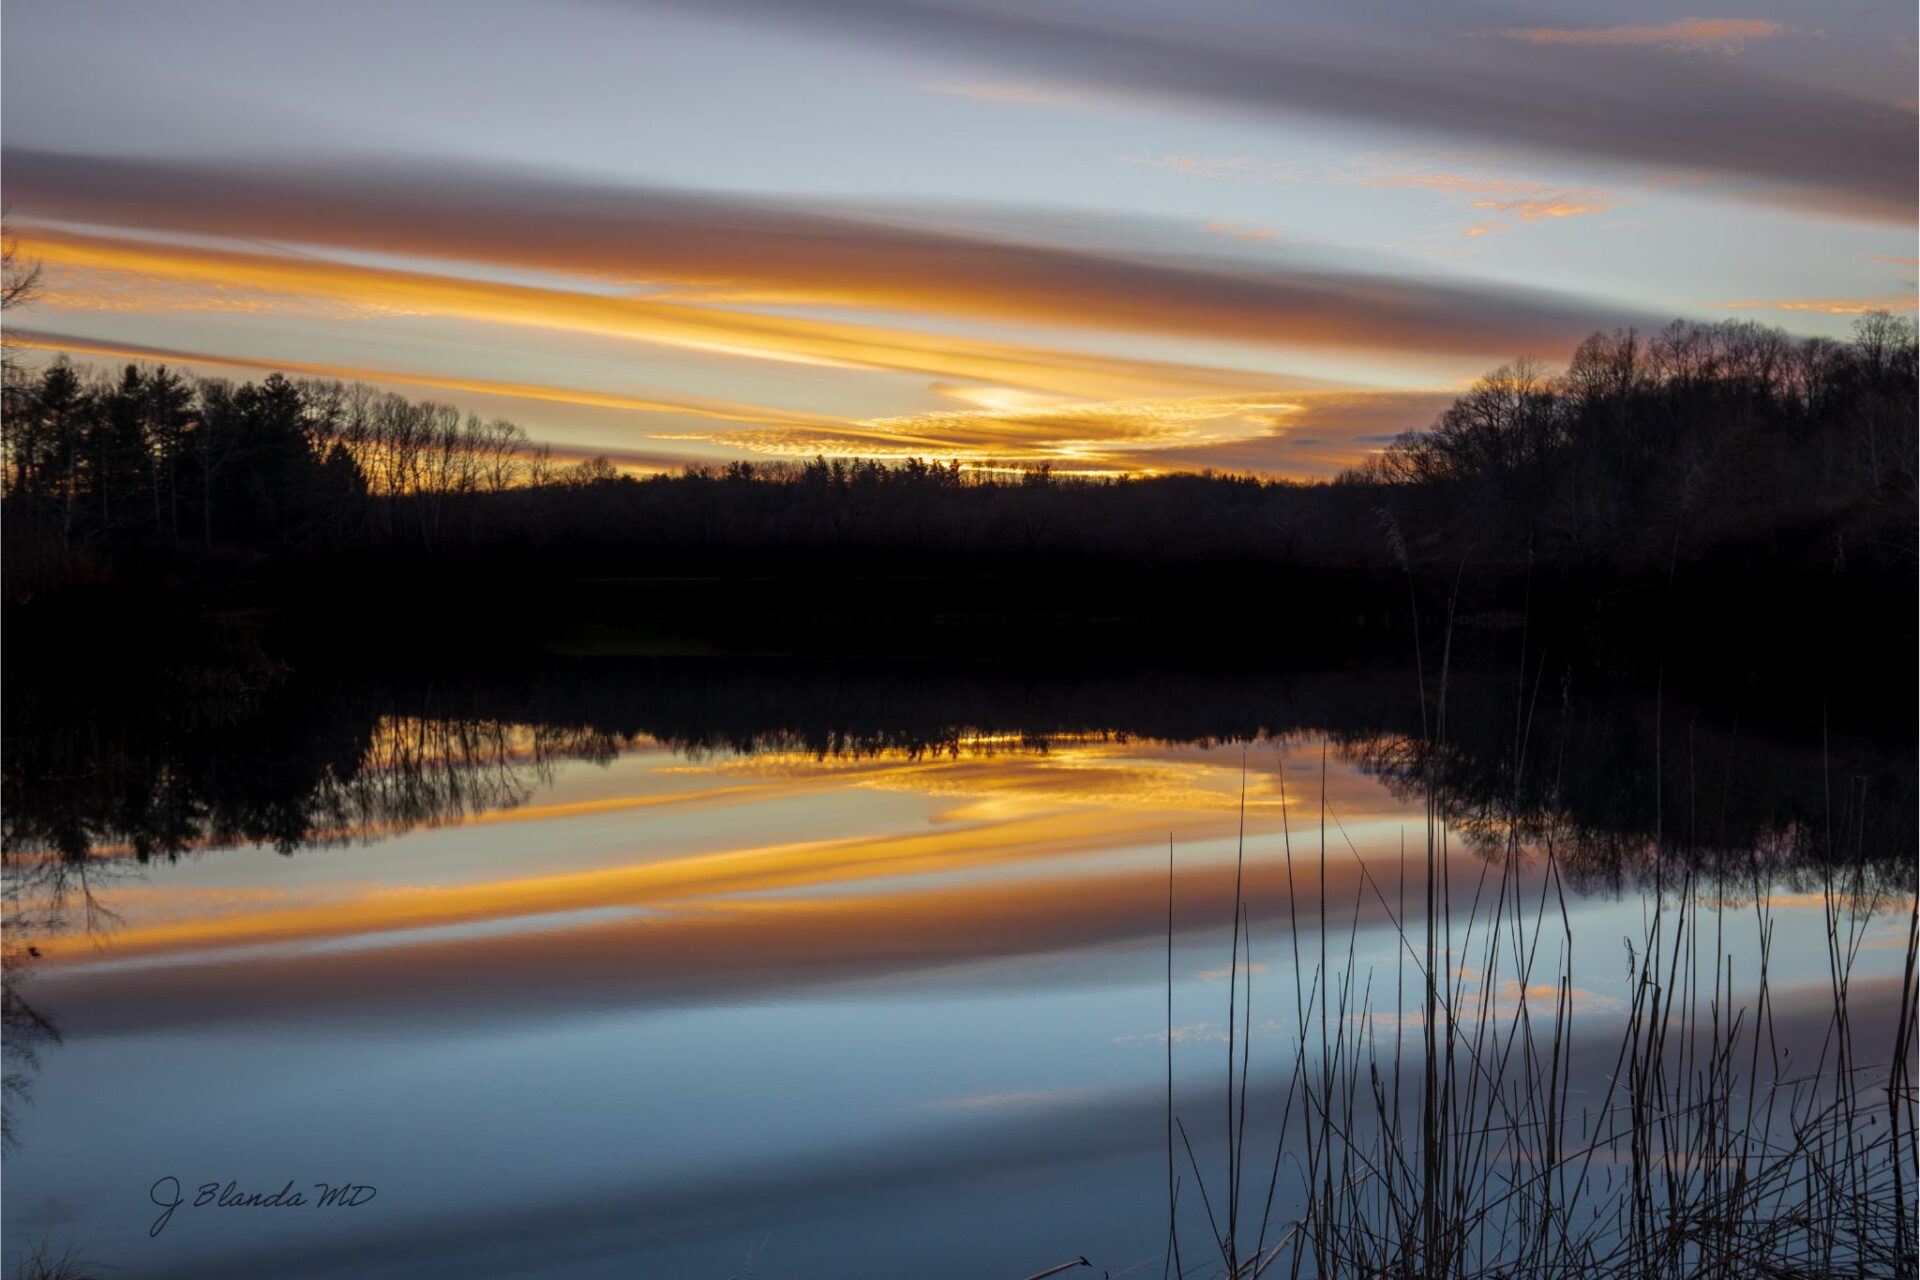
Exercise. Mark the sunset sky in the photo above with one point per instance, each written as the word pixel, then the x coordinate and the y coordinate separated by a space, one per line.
pixel 1115 235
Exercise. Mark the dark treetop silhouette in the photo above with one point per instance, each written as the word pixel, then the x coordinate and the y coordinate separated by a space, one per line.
pixel 1646 453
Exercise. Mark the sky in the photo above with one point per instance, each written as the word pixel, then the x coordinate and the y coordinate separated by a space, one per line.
pixel 1112 235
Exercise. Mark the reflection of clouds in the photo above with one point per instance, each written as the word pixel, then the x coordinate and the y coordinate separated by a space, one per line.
pixel 1473 1006
pixel 1225 972
pixel 1013 1099
pixel 699 938
pixel 1099 1138
pixel 1182 1034
pixel 1080 800
pixel 1090 771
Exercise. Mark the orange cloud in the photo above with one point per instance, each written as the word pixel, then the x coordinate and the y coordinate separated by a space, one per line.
pixel 1826 306
pixel 704 328
pixel 1525 200
pixel 1294 431
pixel 1026 94
pixel 1083 437
pixel 1534 210
pixel 99 289
pixel 1195 166
pixel 1686 33
pixel 698 408
pixel 705 258
pixel 1238 232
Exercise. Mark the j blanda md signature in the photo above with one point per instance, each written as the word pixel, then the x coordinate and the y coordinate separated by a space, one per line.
pixel 168 1194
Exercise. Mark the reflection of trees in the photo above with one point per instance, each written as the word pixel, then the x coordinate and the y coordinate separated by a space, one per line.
pixel 1589 780
pixel 834 742
pixel 421 772
pixel 42 896
pixel 102 772
pixel 81 790
pixel 293 772
pixel 302 762
pixel 24 1031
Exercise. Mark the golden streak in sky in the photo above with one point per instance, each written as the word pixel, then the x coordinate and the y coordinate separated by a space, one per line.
pixel 725 330
pixel 720 410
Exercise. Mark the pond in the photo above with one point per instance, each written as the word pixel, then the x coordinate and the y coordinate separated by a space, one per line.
pixel 658 968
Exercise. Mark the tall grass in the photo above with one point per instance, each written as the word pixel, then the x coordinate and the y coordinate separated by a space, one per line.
pixel 1448 1140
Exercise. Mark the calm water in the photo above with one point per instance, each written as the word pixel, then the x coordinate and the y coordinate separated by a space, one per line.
pixel 580 999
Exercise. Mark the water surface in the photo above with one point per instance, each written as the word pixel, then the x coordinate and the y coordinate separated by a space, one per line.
pixel 801 980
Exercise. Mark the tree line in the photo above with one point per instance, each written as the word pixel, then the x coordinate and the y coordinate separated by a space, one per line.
pixel 1645 450
pixel 150 458
pixel 1707 431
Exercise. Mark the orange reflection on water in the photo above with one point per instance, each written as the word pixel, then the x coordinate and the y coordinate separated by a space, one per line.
pixel 1076 823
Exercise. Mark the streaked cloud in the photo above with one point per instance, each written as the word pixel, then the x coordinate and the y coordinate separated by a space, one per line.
pixel 105 290
pixel 1235 231
pixel 729 252
pixel 1826 306
pixel 1205 166
pixel 712 329
pixel 1619 98
pixel 37 339
pixel 1522 199
pixel 1298 432
pixel 1320 434
pixel 1390 174
pixel 1029 95
pixel 1085 437
pixel 1534 210
pixel 1686 33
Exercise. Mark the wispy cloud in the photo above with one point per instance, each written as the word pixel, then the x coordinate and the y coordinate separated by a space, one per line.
pixel 110 291
pixel 1825 306
pixel 1297 432
pixel 1612 93
pixel 1199 166
pixel 1686 33
pixel 1235 231
pixel 1522 199
pixel 1085 437
pixel 728 252
pixel 1535 210
pixel 724 331
pixel 1029 95
pixel 1323 433
pixel 691 408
